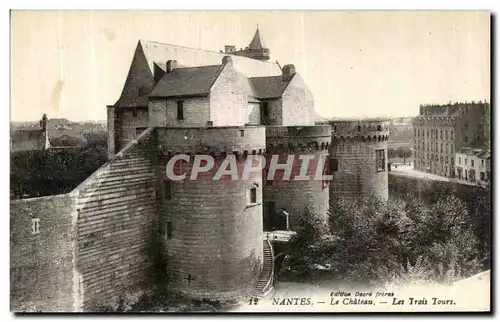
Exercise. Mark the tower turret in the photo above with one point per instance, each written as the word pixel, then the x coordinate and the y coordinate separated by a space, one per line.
pixel 255 50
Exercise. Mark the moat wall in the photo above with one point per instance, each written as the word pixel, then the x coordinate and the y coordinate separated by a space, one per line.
pixel 117 228
pixel 41 264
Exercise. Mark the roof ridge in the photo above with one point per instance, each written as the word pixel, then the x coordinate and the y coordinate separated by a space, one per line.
pixel 206 50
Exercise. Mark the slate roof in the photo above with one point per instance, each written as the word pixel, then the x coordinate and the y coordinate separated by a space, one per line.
pixel 475 152
pixel 191 57
pixel 268 87
pixel 187 81
pixel 256 42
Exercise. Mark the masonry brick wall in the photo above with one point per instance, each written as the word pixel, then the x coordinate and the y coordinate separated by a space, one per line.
pixel 357 176
pixel 131 123
pixel 275 111
pixel 229 98
pixel 297 103
pixel 41 265
pixel 295 196
pixel 111 130
pixel 432 190
pixel 229 139
pixel 254 117
pixel 117 224
pixel 215 248
pixel 354 145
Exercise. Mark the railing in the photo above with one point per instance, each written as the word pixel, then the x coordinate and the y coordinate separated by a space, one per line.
pixel 271 277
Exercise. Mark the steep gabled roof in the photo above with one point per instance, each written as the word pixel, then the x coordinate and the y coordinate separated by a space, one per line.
pixel 256 42
pixel 156 52
pixel 268 87
pixel 190 81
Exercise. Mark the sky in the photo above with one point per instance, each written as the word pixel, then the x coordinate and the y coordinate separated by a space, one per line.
pixel 72 64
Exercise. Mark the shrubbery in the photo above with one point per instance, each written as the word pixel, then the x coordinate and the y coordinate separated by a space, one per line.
pixel 54 171
pixel 390 242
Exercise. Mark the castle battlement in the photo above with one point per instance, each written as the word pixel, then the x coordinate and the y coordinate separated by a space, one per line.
pixel 298 138
pixel 239 140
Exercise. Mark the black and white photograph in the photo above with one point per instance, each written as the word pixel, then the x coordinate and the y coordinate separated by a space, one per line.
pixel 250 161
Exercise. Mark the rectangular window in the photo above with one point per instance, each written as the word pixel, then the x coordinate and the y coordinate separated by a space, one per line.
pixel 35 225
pixel 441 134
pixel 482 176
pixel 465 161
pixel 451 135
pixel 134 112
pixel 379 127
pixel 482 162
pixel 169 230
pixel 333 165
pixel 380 159
pixel 180 110
pixel 242 133
pixel 168 192
pixel 471 163
pixel 446 135
pixel 253 195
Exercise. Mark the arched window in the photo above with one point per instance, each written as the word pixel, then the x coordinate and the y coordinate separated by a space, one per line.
pixel 441 147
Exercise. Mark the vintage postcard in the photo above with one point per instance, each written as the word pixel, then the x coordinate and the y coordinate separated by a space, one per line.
pixel 250 161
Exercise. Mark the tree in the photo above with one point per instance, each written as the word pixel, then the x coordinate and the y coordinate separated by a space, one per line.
pixel 391 153
pixel 404 153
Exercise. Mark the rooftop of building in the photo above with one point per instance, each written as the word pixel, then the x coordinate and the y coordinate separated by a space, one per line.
pixel 160 53
pixel 478 152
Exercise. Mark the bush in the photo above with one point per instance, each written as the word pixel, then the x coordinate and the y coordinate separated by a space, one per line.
pixel 388 242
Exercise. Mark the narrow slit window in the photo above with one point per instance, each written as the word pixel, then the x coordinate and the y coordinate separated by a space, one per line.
pixel 169 230
pixel 380 157
pixel 253 195
pixel 35 225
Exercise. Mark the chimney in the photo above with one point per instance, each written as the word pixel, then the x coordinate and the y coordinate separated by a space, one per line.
pixel 229 49
pixel 43 122
pixel 171 65
pixel 288 72
pixel 227 60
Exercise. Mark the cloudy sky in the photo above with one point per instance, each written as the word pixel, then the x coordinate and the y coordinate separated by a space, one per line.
pixel 357 64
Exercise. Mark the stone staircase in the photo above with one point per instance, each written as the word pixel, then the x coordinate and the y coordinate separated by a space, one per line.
pixel 264 285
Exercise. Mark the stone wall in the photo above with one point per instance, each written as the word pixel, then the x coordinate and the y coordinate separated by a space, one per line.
pixel 164 112
pixel 229 98
pixel 294 196
pixel 298 103
pixel 117 224
pixel 41 264
pixel 211 230
pixel 357 176
pixel 433 190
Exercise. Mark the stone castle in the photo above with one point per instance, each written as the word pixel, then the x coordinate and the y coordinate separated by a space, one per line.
pixel 128 230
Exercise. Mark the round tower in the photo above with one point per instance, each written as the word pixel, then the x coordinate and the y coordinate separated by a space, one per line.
pixel 358 159
pixel 293 194
pixel 212 226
